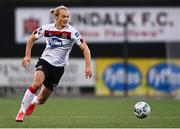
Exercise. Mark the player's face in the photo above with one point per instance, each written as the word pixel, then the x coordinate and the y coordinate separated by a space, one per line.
pixel 62 18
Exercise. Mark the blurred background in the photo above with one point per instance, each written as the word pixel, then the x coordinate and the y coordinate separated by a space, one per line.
pixel 134 44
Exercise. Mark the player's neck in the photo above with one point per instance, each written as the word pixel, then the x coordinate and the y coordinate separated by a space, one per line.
pixel 59 27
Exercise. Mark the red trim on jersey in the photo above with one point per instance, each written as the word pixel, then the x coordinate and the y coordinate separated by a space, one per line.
pixel 63 34
pixel 32 90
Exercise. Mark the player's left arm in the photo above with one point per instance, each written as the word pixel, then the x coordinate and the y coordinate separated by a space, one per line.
pixel 87 55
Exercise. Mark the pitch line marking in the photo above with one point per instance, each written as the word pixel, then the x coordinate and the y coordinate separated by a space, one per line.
pixel 94 117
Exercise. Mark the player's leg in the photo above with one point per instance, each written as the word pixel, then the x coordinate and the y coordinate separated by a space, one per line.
pixel 39 99
pixel 30 93
pixel 42 96
pixel 50 82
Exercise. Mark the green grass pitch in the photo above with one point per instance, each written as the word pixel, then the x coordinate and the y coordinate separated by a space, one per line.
pixel 93 112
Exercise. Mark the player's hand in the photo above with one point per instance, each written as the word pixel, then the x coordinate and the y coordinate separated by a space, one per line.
pixel 88 72
pixel 26 61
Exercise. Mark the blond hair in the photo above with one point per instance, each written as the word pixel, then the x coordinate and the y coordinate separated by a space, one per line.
pixel 55 11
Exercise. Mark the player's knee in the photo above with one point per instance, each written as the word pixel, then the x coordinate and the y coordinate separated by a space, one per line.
pixel 41 100
pixel 36 85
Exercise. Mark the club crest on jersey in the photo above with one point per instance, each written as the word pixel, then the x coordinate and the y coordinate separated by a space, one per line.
pixel 64 35
pixel 54 41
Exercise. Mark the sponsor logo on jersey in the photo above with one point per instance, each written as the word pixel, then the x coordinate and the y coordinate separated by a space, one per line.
pixel 164 77
pixel 54 41
pixel 115 77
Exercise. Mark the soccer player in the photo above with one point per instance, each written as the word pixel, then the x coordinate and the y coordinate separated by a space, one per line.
pixel 50 67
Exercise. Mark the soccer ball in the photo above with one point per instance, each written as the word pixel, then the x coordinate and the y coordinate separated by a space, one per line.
pixel 141 109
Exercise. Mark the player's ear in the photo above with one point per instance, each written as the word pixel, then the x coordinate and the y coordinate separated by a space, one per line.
pixel 56 17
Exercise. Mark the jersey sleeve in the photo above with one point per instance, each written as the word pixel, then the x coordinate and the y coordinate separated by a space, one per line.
pixel 39 32
pixel 76 36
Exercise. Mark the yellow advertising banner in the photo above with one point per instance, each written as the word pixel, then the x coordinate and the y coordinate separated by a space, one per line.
pixel 151 77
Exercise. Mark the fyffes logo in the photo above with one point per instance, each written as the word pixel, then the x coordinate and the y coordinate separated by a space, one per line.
pixel 164 77
pixel 54 41
pixel 114 76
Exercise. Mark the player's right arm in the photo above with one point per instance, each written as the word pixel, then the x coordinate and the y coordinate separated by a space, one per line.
pixel 29 45
pixel 37 34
